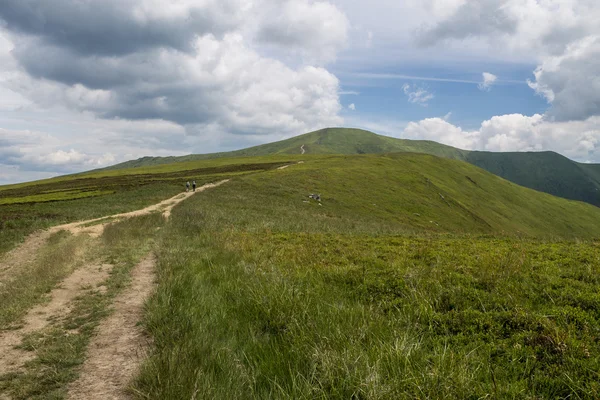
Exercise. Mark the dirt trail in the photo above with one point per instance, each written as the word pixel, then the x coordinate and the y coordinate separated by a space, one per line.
pixel 23 255
pixel 302 148
pixel 115 354
pixel 80 281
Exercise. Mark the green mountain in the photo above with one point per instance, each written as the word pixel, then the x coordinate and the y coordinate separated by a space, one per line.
pixel 544 171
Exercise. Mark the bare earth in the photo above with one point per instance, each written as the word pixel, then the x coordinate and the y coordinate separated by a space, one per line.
pixel 39 317
pixel 114 355
pixel 22 256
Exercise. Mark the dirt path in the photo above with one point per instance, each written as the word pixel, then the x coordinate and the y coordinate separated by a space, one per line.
pixel 302 149
pixel 115 354
pixel 81 281
pixel 21 256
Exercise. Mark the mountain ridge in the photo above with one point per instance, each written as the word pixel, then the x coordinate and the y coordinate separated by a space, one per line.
pixel 547 171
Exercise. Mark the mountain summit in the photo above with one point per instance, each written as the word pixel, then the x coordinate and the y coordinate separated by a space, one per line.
pixel 547 171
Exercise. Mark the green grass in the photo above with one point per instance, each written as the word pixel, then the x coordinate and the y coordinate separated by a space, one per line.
pixel 25 208
pixel 56 196
pixel 402 193
pixel 60 349
pixel 264 296
pixel 544 171
pixel 62 255
pixel 414 277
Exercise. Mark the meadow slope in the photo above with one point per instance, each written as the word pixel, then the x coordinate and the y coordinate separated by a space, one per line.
pixel 368 294
pixel 544 171
pixel 412 277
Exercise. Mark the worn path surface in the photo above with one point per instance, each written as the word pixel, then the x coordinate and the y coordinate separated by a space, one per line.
pixel 116 352
pixel 23 255
pixel 82 280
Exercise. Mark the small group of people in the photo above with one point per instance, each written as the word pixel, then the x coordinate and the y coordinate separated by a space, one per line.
pixel 187 186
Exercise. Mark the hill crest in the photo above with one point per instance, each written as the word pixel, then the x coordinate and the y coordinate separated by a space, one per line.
pixel 545 171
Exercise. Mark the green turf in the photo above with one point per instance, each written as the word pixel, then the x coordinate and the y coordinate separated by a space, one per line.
pixel 264 296
pixel 413 277
pixel 544 171
pixel 27 207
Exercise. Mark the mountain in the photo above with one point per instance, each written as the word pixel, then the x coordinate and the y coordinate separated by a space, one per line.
pixel 544 171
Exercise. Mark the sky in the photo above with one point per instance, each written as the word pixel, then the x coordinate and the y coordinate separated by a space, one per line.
pixel 90 83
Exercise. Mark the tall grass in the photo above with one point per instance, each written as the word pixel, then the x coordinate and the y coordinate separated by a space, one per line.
pixel 60 349
pixel 62 254
pixel 250 311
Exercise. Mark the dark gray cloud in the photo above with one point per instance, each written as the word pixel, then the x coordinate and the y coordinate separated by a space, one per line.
pixel 116 27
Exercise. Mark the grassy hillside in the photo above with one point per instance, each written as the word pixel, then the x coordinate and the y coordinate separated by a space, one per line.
pixel 544 171
pixel 413 277
pixel 324 141
pixel 263 295
pixel 27 207
pixel 405 192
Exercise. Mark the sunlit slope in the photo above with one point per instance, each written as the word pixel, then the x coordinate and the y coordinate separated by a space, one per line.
pixel 544 171
pixel 324 141
pixel 408 193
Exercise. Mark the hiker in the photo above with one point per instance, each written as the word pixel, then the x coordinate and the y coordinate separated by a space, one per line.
pixel 187 186
pixel 194 185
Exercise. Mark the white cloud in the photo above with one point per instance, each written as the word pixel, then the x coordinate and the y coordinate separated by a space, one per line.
pixel 352 107
pixel 563 36
pixel 579 140
pixel 145 78
pixel 317 30
pixel 417 95
pixel 571 81
pixel 439 130
pixel 488 80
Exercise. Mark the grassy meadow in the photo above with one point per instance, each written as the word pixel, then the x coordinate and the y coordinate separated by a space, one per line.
pixel 264 293
pixel 547 171
pixel 414 277
pixel 25 208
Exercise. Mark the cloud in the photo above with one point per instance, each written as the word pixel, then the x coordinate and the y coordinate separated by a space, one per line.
pixel 579 140
pixel 417 95
pixel 570 82
pixel 439 130
pixel 352 107
pixel 193 63
pixel 470 19
pixel 488 80
pixel 116 27
pixel 563 35
pixel 317 30
pixel 29 151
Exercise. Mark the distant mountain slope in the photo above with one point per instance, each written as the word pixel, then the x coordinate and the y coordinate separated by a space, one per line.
pixel 402 193
pixel 544 171
pixel 324 141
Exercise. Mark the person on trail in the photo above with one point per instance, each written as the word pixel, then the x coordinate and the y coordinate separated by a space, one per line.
pixel 194 185
pixel 187 186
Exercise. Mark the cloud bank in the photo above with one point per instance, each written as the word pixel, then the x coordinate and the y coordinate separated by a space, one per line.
pixel 207 69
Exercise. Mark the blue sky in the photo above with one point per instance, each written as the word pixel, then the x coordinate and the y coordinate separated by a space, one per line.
pixel 85 85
